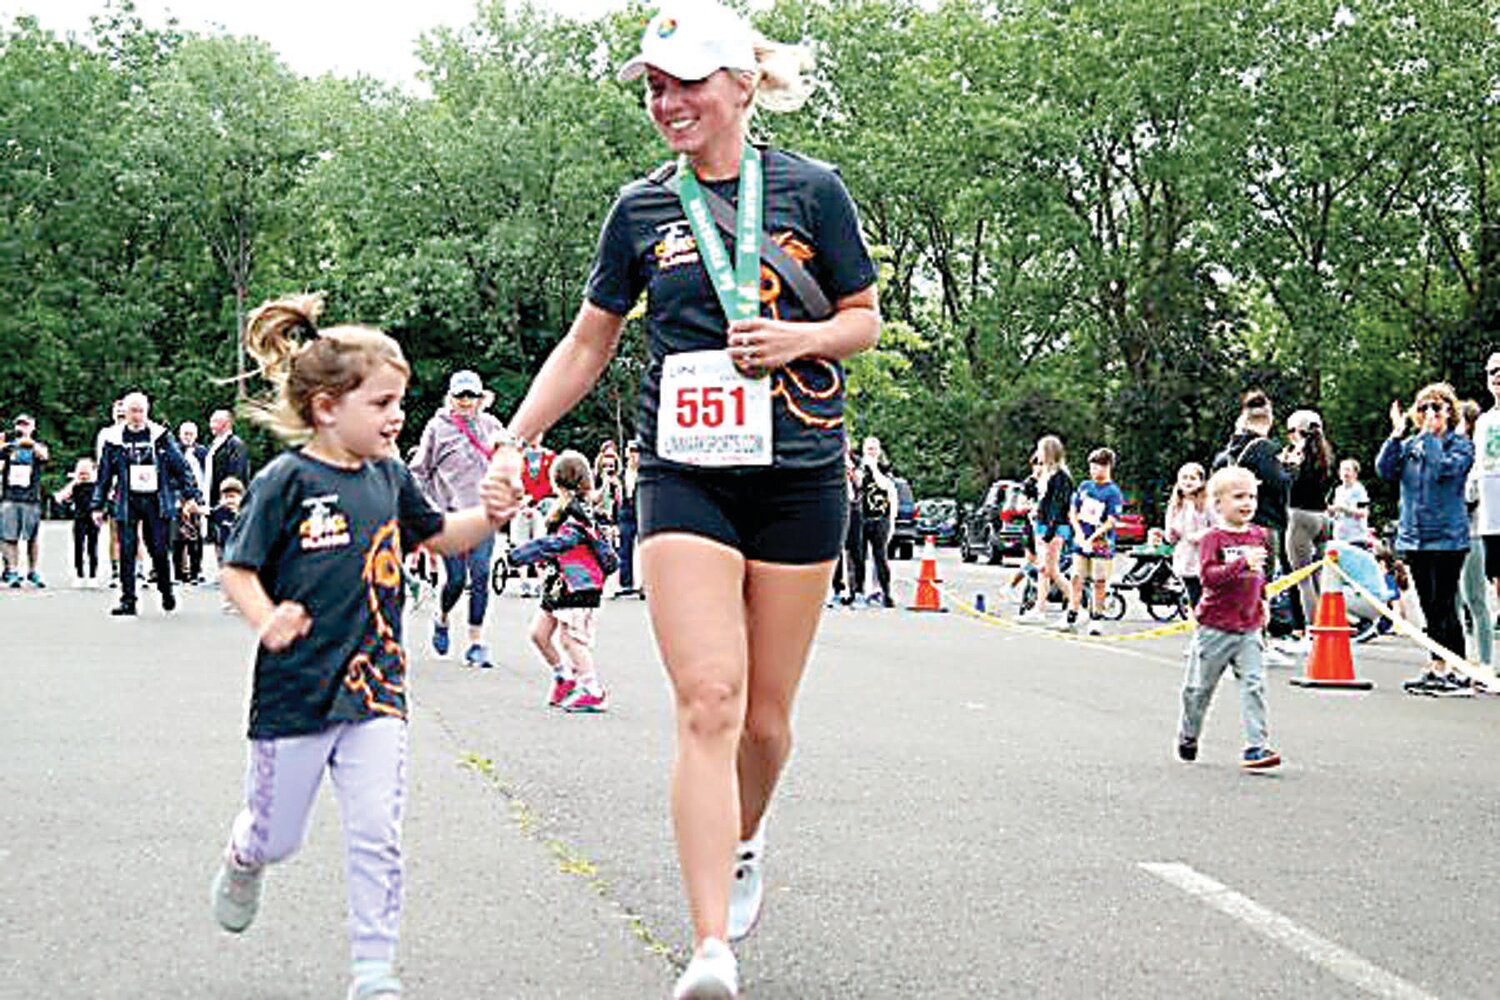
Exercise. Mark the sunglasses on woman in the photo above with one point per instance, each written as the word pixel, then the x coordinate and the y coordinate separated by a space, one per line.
pixel 1431 408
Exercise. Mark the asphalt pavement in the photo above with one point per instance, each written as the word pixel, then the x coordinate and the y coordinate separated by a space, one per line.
pixel 971 811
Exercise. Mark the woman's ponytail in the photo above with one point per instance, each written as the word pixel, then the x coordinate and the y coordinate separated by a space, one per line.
pixel 782 81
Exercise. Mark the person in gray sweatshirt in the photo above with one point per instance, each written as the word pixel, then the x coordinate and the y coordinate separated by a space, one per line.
pixel 450 461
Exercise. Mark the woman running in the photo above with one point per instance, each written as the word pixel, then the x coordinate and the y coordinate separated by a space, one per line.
pixel 742 501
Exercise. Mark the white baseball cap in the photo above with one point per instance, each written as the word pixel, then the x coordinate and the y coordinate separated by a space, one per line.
pixel 465 381
pixel 692 41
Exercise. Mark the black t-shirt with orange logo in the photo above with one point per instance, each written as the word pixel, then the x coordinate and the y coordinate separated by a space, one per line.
pixel 647 244
pixel 331 539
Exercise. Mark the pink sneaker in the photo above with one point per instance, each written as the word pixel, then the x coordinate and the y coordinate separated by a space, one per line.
pixel 561 688
pixel 584 700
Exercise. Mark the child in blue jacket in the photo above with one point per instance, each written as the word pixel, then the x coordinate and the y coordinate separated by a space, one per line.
pixel 578 560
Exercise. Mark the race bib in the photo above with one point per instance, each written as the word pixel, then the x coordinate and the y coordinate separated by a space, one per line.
pixel 1091 511
pixel 19 476
pixel 710 414
pixel 1234 552
pixel 143 478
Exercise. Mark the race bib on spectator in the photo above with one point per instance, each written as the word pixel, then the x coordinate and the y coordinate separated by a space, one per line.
pixel 143 479
pixel 19 476
pixel 711 415
pixel 1091 511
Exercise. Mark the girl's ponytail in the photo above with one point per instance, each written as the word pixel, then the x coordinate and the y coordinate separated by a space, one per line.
pixel 275 333
pixel 300 361
pixel 277 329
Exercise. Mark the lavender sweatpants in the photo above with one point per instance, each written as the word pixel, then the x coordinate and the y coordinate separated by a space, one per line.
pixel 367 762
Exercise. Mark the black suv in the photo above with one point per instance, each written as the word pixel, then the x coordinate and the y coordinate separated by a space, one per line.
pixel 997 526
pixel 904 536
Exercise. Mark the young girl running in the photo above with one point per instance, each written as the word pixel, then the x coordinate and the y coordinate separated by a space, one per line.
pixel 314 565
pixel 578 560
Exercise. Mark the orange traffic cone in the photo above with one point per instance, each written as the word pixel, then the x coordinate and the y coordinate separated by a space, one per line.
pixel 1331 662
pixel 929 598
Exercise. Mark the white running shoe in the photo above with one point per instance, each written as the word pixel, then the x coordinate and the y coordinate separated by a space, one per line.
pixel 374 980
pixel 748 890
pixel 236 894
pixel 713 974
pixel 1035 616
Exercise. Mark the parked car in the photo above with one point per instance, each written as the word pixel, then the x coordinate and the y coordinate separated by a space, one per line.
pixel 1130 527
pixel 904 537
pixel 997 525
pixel 938 517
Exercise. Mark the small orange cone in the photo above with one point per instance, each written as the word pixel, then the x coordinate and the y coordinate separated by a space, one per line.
pixel 929 598
pixel 1331 662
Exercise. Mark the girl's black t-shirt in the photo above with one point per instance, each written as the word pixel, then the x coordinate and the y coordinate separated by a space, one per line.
pixel 647 245
pixel 333 540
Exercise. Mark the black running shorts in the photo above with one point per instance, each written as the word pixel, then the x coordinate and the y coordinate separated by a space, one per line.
pixel 1491 556
pixel 790 516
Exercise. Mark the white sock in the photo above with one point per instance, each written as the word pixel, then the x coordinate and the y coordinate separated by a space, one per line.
pixel 366 969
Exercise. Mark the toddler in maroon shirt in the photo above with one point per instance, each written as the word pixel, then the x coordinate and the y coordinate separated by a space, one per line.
pixel 1234 555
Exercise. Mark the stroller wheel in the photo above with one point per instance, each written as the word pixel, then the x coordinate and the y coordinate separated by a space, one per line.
pixel 1164 607
pixel 500 574
pixel 1028 597
pixel 1114 606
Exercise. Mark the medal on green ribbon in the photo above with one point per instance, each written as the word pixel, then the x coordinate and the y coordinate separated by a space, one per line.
pixel 738 287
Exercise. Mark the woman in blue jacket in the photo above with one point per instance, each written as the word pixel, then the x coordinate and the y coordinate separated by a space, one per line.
pixel 1431 467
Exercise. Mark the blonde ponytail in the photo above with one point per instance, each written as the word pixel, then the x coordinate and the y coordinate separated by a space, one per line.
pixel 302 362
pixel 781 75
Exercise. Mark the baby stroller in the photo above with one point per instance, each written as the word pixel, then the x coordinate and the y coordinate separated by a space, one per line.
pixel 1114 603
pixel 1150 576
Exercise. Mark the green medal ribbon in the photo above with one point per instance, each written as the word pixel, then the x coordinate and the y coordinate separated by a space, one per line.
pixel 738 288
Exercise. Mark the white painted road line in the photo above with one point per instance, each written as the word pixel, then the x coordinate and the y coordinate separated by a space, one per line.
pixel 1319 950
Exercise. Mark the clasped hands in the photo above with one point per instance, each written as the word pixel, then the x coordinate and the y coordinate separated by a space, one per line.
pixel 500 490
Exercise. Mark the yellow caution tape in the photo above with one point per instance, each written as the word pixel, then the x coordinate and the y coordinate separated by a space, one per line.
pixel 1473 671
pixel 1161 632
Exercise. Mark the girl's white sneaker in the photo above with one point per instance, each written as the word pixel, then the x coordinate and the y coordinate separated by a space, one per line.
pixel 713 974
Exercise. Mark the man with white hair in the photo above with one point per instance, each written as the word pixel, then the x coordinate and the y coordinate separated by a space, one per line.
pixel 142 462
pixel 227 455
pixel 187 531
pixel 227 458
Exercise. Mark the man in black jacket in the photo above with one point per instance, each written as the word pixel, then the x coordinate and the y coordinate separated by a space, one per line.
pixel 228 458
pixel 1275 467
pixel 227 455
